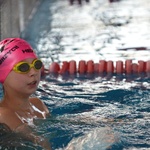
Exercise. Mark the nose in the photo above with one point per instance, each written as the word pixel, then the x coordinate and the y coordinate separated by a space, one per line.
pixel 33 72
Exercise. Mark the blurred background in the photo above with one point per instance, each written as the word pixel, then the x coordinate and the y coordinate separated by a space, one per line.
pixel 14 16
pixel 62 30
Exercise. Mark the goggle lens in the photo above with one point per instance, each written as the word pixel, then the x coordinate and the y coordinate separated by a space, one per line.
pixel 24 67
pixel 38 65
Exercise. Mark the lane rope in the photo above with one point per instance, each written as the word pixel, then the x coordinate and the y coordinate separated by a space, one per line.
pixel 103 66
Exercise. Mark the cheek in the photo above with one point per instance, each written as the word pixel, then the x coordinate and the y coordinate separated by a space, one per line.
pixel 19 79
pixel 15 79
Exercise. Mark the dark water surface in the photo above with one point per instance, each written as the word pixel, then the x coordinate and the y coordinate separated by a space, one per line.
pixel 90 110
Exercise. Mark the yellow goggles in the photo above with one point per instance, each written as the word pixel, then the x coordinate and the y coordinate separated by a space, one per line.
pixel 24 67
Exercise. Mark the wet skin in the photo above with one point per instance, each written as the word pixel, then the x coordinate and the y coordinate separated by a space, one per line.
pixel 18 106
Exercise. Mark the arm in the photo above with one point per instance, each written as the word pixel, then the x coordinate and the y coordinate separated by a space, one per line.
pixel 9 118
pixel 25 131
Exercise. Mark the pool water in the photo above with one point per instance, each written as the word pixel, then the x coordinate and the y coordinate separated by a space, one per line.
pixel 87 108
pixel 91 111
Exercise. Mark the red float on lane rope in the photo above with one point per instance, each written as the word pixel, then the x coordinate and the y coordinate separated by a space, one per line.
pixel 72 67
pixel 101 67
pixel 110 67
pixel 90 66
pixel 148 66
pixel 65 67
pixel 128 66
pixel 96 67
pixel 54 68
pixel 142 66
pixel 119 67
pixel 135 68
pixel 82 67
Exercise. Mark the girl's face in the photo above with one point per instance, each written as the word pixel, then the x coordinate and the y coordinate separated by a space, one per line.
pixel 23 83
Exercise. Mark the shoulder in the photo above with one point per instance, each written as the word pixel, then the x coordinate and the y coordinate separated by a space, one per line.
pixel 9 118
pixel 39 104
pixel 5 112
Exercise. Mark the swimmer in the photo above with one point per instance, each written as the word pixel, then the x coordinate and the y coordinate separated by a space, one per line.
pixel 20 72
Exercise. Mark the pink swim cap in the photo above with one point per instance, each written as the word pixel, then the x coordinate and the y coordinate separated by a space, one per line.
pixel 12 51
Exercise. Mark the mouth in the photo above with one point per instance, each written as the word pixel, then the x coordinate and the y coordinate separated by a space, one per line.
pixel 33 83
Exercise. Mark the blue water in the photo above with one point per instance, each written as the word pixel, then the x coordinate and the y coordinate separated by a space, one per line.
pixel 81 105
pixel 95 113
pixel 92 111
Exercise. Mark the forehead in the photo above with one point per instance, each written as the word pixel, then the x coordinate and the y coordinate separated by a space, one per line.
pixel 29 60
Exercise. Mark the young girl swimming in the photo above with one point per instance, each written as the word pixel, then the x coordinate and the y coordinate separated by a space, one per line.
pixel 20 72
